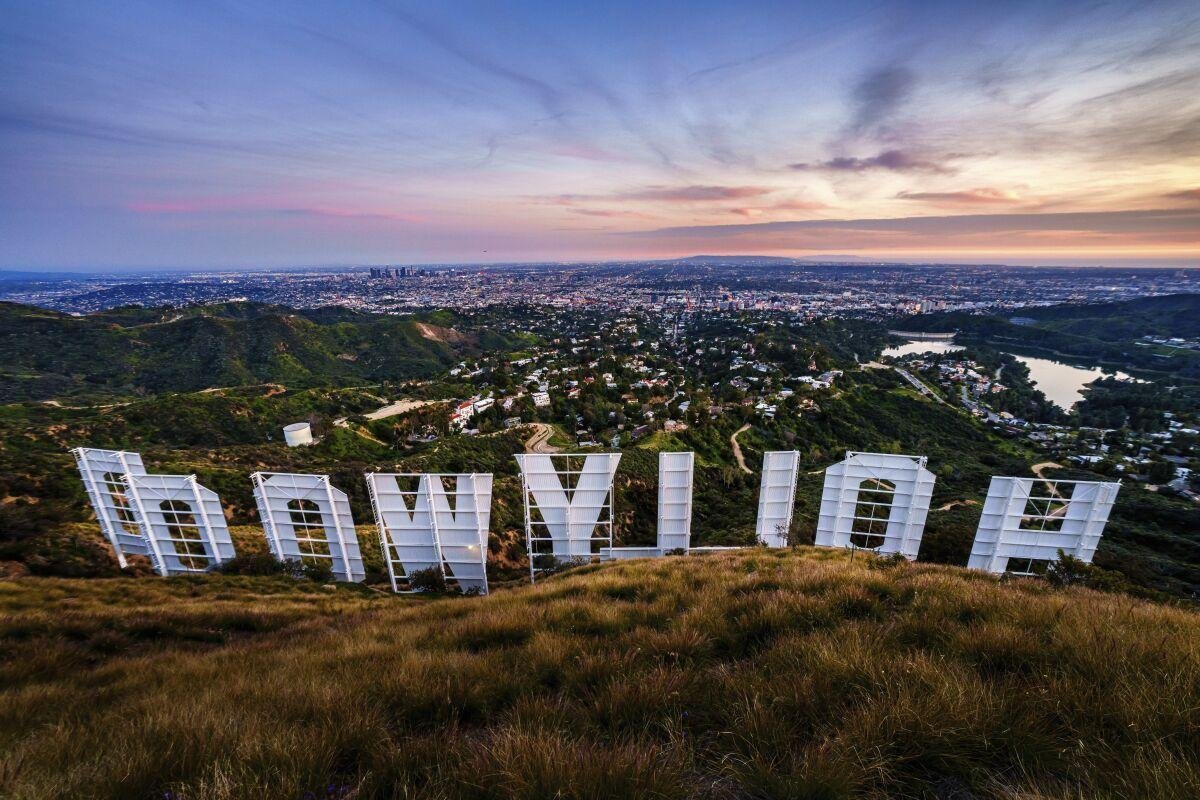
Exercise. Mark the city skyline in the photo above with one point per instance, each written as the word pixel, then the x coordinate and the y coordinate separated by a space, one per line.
pixel 165 135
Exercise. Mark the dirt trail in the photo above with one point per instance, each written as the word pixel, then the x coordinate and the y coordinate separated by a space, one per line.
pixel 272 389
pixel 957 503
pixel 539 442
pixel 1037 469
pixel 398 407
pixel 737 449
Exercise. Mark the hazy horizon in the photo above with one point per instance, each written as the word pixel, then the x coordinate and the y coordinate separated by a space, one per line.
pixel 833 260
pixel 174 136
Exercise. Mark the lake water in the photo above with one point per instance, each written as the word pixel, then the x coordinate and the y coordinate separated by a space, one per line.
pixel 922 346
pixel 1062 383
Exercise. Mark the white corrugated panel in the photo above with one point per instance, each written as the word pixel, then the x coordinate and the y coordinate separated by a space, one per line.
pixel 462 530
pixel 675 500
pixel 618 553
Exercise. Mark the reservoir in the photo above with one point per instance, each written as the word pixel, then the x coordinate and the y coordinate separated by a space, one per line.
pixel 1062 383
pixel 922 346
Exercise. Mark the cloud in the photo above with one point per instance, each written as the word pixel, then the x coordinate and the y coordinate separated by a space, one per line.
pixel 229 206
pixel 695 194
pixel 893 160
pixel 878 94
pixel 1184 222
pixel 552 100
pixel 665 194
pixel 982 196
pixel 608 212
pixel 785 205
pixel 1186 194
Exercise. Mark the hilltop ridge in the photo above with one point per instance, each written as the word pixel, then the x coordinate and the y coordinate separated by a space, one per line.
pixel 135 350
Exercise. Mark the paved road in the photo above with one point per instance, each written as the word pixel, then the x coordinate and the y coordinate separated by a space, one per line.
pixel 539 442
pixel 919 386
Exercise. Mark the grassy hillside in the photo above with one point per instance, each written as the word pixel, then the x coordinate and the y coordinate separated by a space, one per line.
pixel 745 675
pixel 137 351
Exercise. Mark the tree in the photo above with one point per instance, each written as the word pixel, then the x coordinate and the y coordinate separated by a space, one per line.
pixel 1161 472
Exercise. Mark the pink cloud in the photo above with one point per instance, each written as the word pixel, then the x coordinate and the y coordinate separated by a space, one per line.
pixel 981 196
pixel 784 205
pixel 695 194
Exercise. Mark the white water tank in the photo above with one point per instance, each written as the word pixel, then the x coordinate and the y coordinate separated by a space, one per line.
pixel 297 433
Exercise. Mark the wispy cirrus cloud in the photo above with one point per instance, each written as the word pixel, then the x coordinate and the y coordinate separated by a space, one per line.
pixel 878 95
pixel 225 206
pixel 891 160
pixel 775 208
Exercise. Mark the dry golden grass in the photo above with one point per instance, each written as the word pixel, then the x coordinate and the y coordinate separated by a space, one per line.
pixel 742 675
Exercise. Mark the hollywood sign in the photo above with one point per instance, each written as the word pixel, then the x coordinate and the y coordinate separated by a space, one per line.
pixel 871 501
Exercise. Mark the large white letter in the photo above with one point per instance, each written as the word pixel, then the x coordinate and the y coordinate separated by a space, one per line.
pixel 419 530
pixel 674 509
pixel 675 501
pixel 1025 522
pixel 181 522
pixel 306 519
pixel 776 496
pixel 876 501
pixel 103 473
pixel 567 517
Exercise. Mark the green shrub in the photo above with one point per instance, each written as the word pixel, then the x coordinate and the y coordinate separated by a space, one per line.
pixel 264 564
pixel 427 580
pixel 259 565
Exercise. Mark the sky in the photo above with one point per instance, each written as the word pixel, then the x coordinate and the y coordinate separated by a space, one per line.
pixel 227 134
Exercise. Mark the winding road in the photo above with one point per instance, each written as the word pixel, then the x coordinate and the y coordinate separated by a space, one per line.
pixel 539 442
